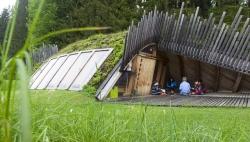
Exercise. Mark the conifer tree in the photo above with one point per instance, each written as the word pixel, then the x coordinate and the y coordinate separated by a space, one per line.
pixel 4 18
pixel 20 27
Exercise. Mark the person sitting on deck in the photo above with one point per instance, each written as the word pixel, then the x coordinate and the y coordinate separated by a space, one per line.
pixel 184 87
pixel 171 85
pixel 198 88
pixel 156 90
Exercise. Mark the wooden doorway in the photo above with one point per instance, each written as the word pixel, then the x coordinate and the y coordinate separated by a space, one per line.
pixel 140 81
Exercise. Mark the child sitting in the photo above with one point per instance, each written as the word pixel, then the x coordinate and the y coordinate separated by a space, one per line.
pixel 171 85
pixel 198 88
pixel 156 90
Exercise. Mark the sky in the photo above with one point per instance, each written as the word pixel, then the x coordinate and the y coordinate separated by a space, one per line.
pixel 6 4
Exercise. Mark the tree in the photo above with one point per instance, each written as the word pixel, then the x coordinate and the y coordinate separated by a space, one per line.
pixel 47 21
pixel 116 14
pixel 20 27
pixel 4 18
pixel 204 6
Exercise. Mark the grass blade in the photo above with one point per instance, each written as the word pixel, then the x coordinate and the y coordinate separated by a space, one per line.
pixel 69 31
pixel 25 117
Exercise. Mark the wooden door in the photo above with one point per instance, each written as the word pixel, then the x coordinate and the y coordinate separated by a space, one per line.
pixel 144 75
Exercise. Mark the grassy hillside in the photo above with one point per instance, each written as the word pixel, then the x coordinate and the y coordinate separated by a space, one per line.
pixel 115 41
pixel 71 116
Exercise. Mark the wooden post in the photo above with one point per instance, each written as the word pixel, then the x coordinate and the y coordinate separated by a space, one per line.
pixel 217 79
pixel 199 70
pixel 237 82
pixel 181 65
pixel 163 76
pixel 159 71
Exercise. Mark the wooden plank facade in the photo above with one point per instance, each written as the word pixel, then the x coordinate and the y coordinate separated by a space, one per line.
pixel 196 47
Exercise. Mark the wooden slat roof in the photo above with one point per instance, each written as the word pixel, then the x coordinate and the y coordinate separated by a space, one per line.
pixel 192 36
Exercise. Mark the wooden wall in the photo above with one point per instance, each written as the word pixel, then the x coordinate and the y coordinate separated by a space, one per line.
pixel 245 83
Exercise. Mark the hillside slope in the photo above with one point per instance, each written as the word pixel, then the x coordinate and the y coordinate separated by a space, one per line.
pixel 115 41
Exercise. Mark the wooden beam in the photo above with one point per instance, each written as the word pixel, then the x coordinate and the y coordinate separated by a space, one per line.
pixel 159 71
pixel 181 66
pixel 154 52
pixel 163 76
pixel 217 79
pixel 199 70
pixel 146 54
pixel 237 82
pixel 158 58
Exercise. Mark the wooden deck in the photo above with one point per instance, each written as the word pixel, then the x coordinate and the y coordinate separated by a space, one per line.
pixel 209 100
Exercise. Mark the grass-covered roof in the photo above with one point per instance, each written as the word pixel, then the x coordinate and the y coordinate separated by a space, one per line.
pixel 114 40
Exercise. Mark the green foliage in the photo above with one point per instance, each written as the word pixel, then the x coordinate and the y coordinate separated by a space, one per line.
pixel 58 14
pixel 14 79
pixel 172 5
pixel 61 116
pixel 115 41
pixel 71 116
pixel 21 28
pixel 24 101
pixel 117 14
pixel 47 20
pixel 4 18
pixel 15 70
pixel 36 66
pixel 231 11
pixel 89 90
pixel 114 93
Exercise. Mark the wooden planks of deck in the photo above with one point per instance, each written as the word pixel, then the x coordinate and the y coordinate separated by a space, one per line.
pixel 237 100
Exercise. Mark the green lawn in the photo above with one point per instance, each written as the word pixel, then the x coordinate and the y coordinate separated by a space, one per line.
pixel 71 116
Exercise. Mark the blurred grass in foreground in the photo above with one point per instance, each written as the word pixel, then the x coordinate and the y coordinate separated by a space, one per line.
pixel 14 78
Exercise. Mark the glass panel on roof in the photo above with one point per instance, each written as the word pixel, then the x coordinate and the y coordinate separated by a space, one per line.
pixel 89 69
pixel 74 70
pixel 70 71
pixel 38 72
pixel 43 74
pixel 62 72
pixel 52 72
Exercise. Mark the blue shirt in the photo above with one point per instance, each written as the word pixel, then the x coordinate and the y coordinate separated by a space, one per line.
pixel 171 85
pixel 185 87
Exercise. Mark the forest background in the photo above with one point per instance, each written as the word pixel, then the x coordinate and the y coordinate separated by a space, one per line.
pixel 117 14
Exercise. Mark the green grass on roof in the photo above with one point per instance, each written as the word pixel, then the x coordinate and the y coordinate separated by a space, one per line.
pixel 115 41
